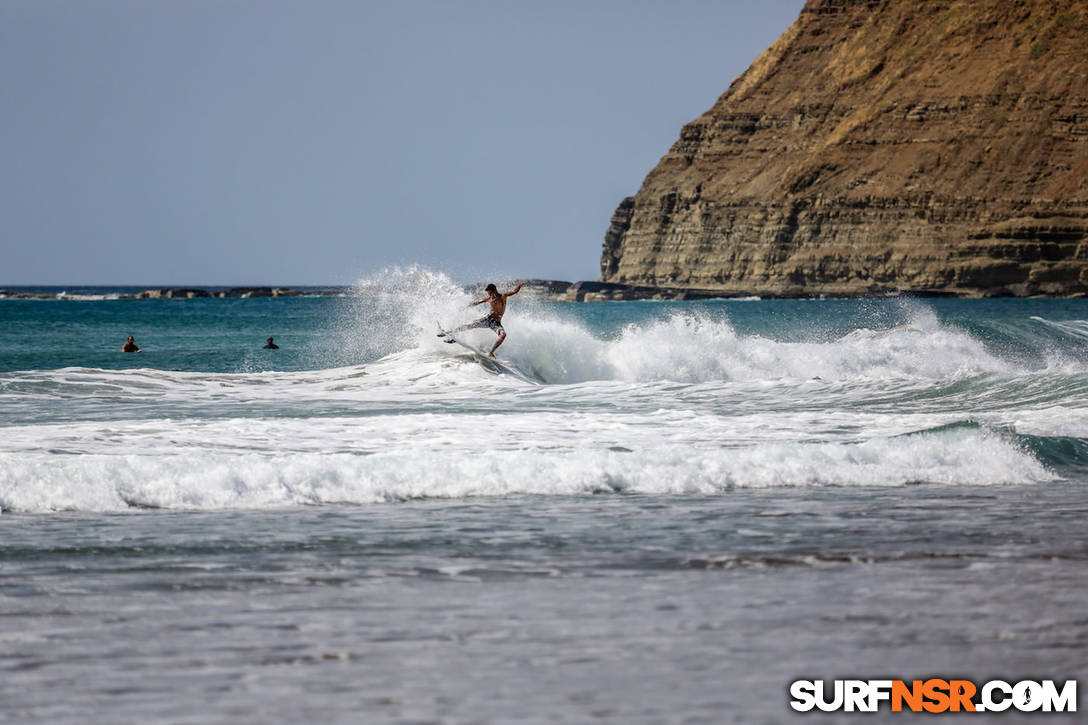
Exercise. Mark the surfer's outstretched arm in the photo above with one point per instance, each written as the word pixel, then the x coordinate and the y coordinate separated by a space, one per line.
pixel 514 291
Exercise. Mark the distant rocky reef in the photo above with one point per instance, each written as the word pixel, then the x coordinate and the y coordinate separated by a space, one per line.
pixel 237 292
pixel 925 146
pixel 548 289
pixel 176 293
pixel 559 291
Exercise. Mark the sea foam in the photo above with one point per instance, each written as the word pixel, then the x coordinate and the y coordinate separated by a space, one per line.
pixel 431 457
pixel 696 348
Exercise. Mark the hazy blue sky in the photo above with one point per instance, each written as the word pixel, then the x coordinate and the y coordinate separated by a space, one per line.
pixel 275 142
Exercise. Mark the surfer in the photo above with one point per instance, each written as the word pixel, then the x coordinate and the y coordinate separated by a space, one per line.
pixel 271 345
pixel 130 346
pixel 493 320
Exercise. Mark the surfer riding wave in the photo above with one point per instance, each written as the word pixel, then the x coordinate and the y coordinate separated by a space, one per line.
pixel 493 320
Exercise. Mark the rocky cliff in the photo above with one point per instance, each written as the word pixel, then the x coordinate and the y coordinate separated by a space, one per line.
pixel 932 146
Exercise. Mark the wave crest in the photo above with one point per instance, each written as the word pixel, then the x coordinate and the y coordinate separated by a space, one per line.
pixel 960 455
pixel 698 348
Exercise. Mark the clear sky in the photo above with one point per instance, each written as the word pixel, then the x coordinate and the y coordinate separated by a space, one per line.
pixel 289 142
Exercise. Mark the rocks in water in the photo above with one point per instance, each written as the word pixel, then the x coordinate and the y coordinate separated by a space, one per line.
pixel 604 291
pixel 586 291
pixel 154 294
pixel 235 292
pixel 26 295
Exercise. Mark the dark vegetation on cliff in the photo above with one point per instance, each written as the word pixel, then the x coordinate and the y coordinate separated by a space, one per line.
pixel 931 146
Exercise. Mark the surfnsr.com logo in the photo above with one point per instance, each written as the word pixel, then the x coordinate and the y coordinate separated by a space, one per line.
pixel 933 695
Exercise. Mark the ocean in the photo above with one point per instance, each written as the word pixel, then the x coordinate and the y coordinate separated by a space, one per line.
pixel 687 507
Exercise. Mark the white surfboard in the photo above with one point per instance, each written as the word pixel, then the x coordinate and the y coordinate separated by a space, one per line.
pixel 493 364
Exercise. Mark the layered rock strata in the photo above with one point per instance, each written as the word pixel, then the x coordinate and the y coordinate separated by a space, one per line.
pixel 930 146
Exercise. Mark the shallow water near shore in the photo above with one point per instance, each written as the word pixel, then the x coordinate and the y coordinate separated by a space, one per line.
pixel 691 505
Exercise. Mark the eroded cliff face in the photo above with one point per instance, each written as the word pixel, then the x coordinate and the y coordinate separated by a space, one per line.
pixel 905 145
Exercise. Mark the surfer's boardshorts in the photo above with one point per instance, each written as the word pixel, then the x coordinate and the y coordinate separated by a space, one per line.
pixel 490 323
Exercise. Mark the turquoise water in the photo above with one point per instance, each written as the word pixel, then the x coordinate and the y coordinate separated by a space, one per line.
pixel 686 507
pixel 225 335
pixel 208 335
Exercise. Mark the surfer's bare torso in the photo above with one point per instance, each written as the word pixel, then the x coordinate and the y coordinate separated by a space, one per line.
pixel 498 302
pixel 498 305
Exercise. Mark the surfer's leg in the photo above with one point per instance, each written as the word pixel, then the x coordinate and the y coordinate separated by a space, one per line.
pixel 502 336
pixel 482 322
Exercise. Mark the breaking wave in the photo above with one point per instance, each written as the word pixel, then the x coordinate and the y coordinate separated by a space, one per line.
pixel 399 310
pixel 224 480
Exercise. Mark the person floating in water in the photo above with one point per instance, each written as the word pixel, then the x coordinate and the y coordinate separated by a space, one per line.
pixel 493 320
pixel 130 346
pixel 271 345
